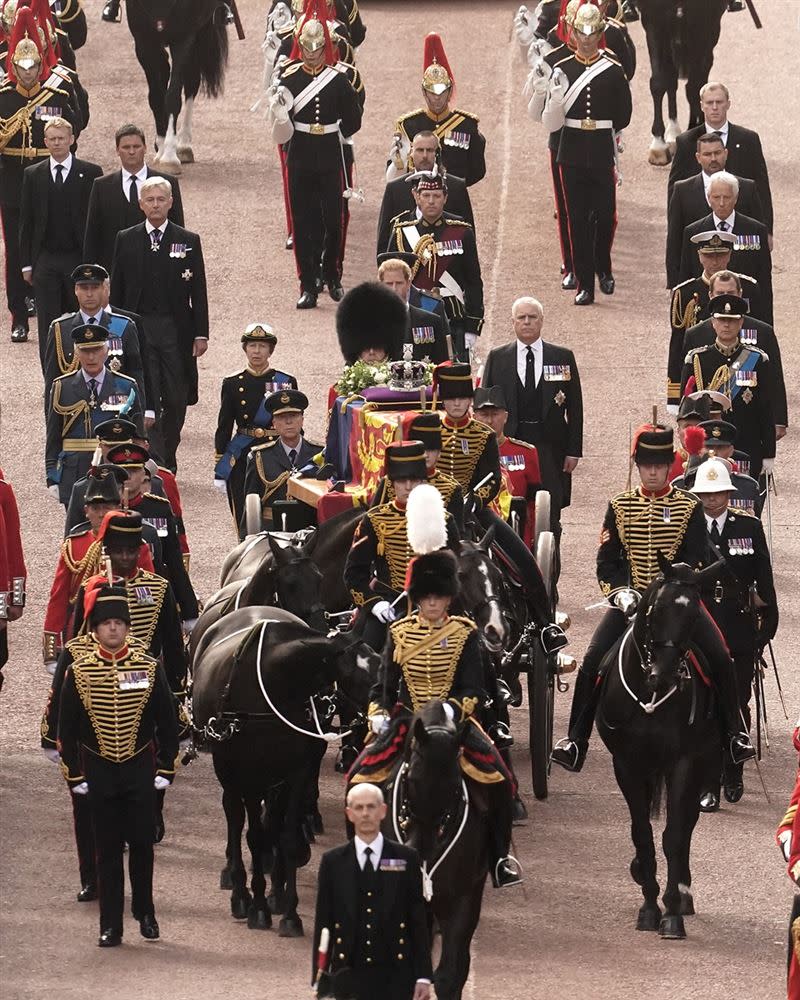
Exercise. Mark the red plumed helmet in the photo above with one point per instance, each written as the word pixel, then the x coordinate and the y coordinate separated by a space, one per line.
pixel 25 45
pixel 437 77
pixel 312 32
pixel 694 439
pixel 43 14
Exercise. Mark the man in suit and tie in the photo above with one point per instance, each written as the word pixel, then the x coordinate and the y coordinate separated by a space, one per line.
pixel 124 346
pixel 79 402
pixel 158 272
pixel 689 200
pixel 542 389
pixel 369 899
pixel 114 200
pixel 424 330
pixel 745 156
pixel 398 196
pixel 55 198
pixel 751 251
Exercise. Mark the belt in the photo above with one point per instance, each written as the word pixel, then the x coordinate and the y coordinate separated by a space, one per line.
pixel 259 432
pixel 315 129
pixel 79 444
pixel 588 124
pixel 25 154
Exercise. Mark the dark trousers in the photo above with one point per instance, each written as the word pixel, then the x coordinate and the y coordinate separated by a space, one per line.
pixel 387 982
pixel 166 360
pixel 55 293
pixel 123 802
pixel 83 822
pixel 561 214
pixel 317 213
pixel 17 289
pixel 591 197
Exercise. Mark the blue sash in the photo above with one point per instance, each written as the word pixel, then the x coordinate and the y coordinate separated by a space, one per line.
pixel 748 365
pixel 239 442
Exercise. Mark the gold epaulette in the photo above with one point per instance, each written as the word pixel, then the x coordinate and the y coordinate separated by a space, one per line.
pixel 471 626
pixel 395 220
pixel 522 444
pixel 154 496
pixel 466 114
pixel 694 352
pixel 455 222
pixel 743 512
pixel 267 444
pixel 290 67
pixel 409 114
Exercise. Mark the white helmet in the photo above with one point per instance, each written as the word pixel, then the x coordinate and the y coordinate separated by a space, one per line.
pixel 713 476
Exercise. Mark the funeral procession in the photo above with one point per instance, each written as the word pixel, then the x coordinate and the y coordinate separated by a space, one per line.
pixel 399 555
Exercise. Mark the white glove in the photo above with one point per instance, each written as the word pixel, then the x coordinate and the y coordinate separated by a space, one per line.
pixel 279 103
pixel 50 666
pixel 53 491
pixel 785 841
pixel 379 723
pixel 81 789
pixel 52 755
pixel 184 745
pixel 620 140
pixel 221 486
pixel 768 465
pixel 522 27
pixel 384 612
pixel 281 15
pixel 160 782
pixel 449 711
pixel 672 409
pixel 188 625
pixel 625 600
pixel 559 85
pixel 470 339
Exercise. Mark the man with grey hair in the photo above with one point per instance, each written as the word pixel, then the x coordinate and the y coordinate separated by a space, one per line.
pixel 369 900
pixel 158 272
pixel 751 251
pixel 542 388
pixel 745 156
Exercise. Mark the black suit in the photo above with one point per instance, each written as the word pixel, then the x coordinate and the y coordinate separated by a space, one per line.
pixel 398 198
pixel 394 936
pixel 168 289
pixel 110 212
pixel 687 204
pixel 427 332
pixel 557 431
pixel 269 469
pixel 751 254
pixel 51 242
pixel 745 159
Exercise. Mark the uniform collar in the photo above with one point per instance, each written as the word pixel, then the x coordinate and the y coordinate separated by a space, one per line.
pixel 29 93
pixel 655 495
pixel 398 506
pixel 438 118
pixel 460 424
pixel 728 352
pixel 264 374
pixel 121 654
pixel 588 62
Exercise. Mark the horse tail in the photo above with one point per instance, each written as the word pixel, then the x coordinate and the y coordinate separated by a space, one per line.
pixel 211 53
pixel 656 793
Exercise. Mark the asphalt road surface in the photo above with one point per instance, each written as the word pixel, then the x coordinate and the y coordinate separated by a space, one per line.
pixel 570 931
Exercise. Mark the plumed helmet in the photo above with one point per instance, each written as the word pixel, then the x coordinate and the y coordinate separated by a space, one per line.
pixel 7 17
pixel 437 77
pixel 370 315
pixel 24 48
pixel 588 20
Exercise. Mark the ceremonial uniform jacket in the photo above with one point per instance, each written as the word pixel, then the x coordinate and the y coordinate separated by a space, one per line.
pixel 751 255
pixel 791 822
pixel 638 525
pixel 380 550
pixel 114 706
pixel 72 418
pixel 13 575
pixel 398 197
pixel 469 454
pixel 79 559
pixel 154 621
pixel 747 565
pixel 23 115
pixel 125 350
pixel 427 331
pixel 158 512
pixel 754 333
pixel 618 41
pixel 422 661
pixel 519 464
pixel 451 492
pixel 269 469
pixel 72 18
pixel 317 151
pixel 605 97
pixel 340 37
pixel 688 307
pixel 747 499
pixel 746 378
pixel 463 147
pixel 242 403
pixel 449 263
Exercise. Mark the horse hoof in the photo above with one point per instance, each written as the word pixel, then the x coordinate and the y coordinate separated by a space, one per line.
pixel 290 927
pixel 636 871
pixel 240 906
pixel 671 927
pixel 186 154
pixel 649 918
pixel 687 904
pixel 225 880
pixel 258 918
pixel 659 157
pixel 276 904
pixel 170 166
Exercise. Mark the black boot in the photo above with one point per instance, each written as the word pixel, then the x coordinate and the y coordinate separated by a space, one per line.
pixel 736 742
pixel 504 869
pixel 111 11
pixel 571 752
pixel 629 11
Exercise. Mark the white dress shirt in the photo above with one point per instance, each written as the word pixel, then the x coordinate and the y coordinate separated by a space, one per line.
pixel 731 221
pixel 141 177
pixel 295 449
pixel 722 130
pixel 720 521
pixel 86 317
pixel 707 178
pixel 149 228
pixel 66 164
pixel 99 379
pixel 376 847
pixel 522 359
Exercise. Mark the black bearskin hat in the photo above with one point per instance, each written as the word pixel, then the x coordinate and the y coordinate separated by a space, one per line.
pixel 433 574
pixel 371 315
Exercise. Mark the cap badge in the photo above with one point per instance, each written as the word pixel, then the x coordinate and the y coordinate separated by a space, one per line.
pixel 712 475
pixel 286 398
pixel 727 307
pixel 89 334
pixel 716 432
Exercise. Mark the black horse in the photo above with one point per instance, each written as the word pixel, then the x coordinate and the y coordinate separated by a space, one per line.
pixel 286 577
pixel 254 680
pixel 656 716
pixel 681 37
pixel 195 34
pixel 432 809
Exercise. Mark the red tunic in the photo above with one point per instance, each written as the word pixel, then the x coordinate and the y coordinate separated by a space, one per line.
pixel 791 822
pixel 174 497
pixel 13 574
pixel 519 464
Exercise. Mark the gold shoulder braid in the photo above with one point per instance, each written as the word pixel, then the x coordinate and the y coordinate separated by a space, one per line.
pixel 391 532
pixel 88 566
pixel 462 447
pixel 649 525
pixel 65 367
pixel 429 656
pixel 146 593
pixel 271 486
pixel 114 696
pixel 687 318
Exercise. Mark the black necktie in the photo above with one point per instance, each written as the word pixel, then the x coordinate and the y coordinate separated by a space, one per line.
pixel 133 194
pixel 369 868
pixel 91 320
pixel 92 392
pixel 723 227
pixel 530 369
pixel 716 537
pixel 292 457
pixel 59 175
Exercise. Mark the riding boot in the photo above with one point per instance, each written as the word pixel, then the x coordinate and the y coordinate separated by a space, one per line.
pixel 738 746
pixel 571 752
pixel 111 11
pixel 504 869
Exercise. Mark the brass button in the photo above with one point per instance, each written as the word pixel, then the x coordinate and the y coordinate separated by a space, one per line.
pixel 402 927
pixel 369 893
pixel 369 959
pixel 368 942
pixel 241 388
pixel 401 941
pixel 369 927
pixel 400 956
pixel 341 955
pixel 369 910
pixel 338 940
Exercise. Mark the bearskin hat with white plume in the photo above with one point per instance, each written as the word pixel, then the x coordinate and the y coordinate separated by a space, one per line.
pixel 434 569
